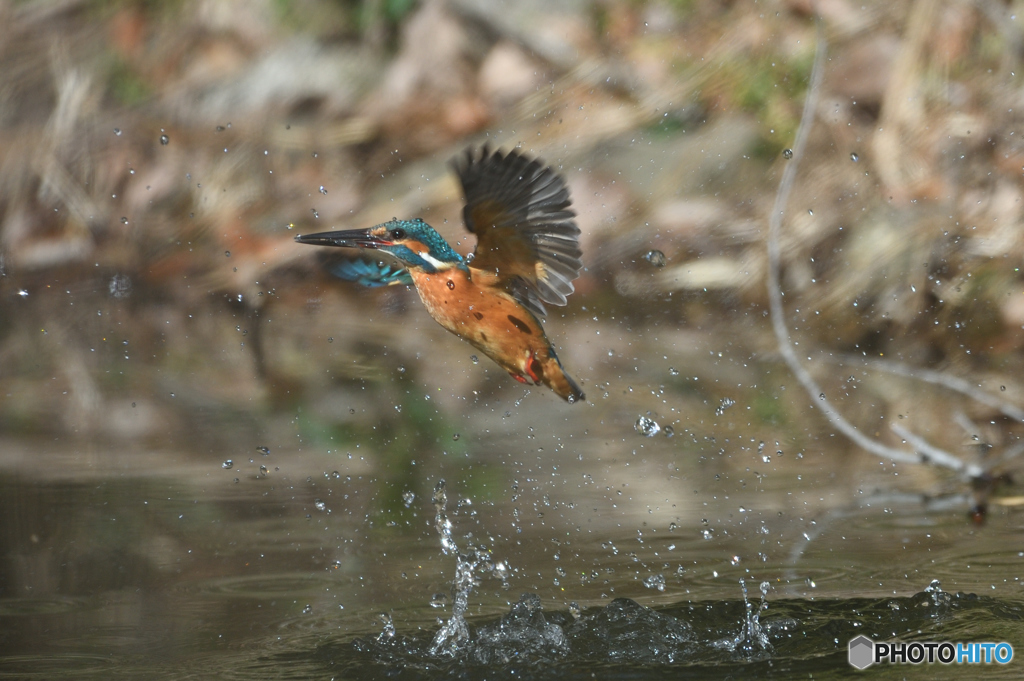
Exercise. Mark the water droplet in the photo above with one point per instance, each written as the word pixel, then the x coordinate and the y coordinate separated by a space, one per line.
pixel 821 396
pixel 439 600
pixel 320 505
pixel 227 254
pixel 227 465
pixel 401 369
pixel 735 560
pixel 787 154
pixel 120 286
pixel 655 582
pixel 322 190
pixel 265 451
pixel 408 497
pixel 23 293
pixel 307 610
pixel 124 221
pixel 1002 388
pixel 854 157
pixel 656 258
pixel 724 404
pixel 456 437
pixel 451 285
pixel 472 358
pixel 165 140
pixel 646 426
pixel 330 339
pixel 669 431
pixel 117 131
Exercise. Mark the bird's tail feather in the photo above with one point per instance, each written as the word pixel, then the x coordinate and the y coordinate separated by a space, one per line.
pixel 562 383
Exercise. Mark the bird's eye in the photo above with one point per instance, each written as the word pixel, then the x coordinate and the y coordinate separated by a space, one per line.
pixel 397 234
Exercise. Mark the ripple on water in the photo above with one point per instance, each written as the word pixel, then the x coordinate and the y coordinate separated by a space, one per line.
pixel 977 571
pixel 280 585
pixel 59 665
pixel 798 577
pixel 49 605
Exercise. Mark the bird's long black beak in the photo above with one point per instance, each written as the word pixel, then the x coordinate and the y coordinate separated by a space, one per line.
pixel 350 238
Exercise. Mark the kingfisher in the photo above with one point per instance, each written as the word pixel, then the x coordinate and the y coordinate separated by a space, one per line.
pixel 527 255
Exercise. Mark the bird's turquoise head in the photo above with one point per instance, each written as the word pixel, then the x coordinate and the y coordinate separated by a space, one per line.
pixel 414 242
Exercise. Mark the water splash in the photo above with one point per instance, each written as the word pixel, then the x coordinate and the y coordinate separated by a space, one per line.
pixel 522 633
pixel 453 638
pixel 939 597
pixel 626 632
pixel 752 640
pixel 387 632
pixel 638 642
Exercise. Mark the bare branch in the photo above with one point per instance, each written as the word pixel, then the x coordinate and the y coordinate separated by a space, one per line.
pixel 929 453
pixel 954 383
pixel 775 295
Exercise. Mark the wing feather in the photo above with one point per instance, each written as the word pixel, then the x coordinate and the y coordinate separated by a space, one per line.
pixel 520 211
pixel 371 274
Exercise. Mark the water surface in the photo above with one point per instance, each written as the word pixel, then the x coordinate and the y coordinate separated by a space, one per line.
pixel 263 537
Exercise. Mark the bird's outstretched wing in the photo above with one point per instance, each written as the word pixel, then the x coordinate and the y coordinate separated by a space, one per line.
pixel 519 210
pixel 371 274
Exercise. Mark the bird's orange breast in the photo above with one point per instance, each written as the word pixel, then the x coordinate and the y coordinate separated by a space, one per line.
pixel 486 316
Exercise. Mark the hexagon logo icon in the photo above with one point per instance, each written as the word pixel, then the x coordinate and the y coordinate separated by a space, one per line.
pixel 862 652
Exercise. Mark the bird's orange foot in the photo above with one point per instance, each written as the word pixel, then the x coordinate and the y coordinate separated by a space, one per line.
pixel 521 379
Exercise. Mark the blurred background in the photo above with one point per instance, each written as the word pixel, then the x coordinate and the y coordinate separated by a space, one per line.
pixel 197 419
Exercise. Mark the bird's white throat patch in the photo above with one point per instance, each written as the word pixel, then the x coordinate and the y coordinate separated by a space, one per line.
pixel 435 263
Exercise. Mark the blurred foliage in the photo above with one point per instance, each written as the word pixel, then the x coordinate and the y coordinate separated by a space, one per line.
pixel 127 87
pixel 668 118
